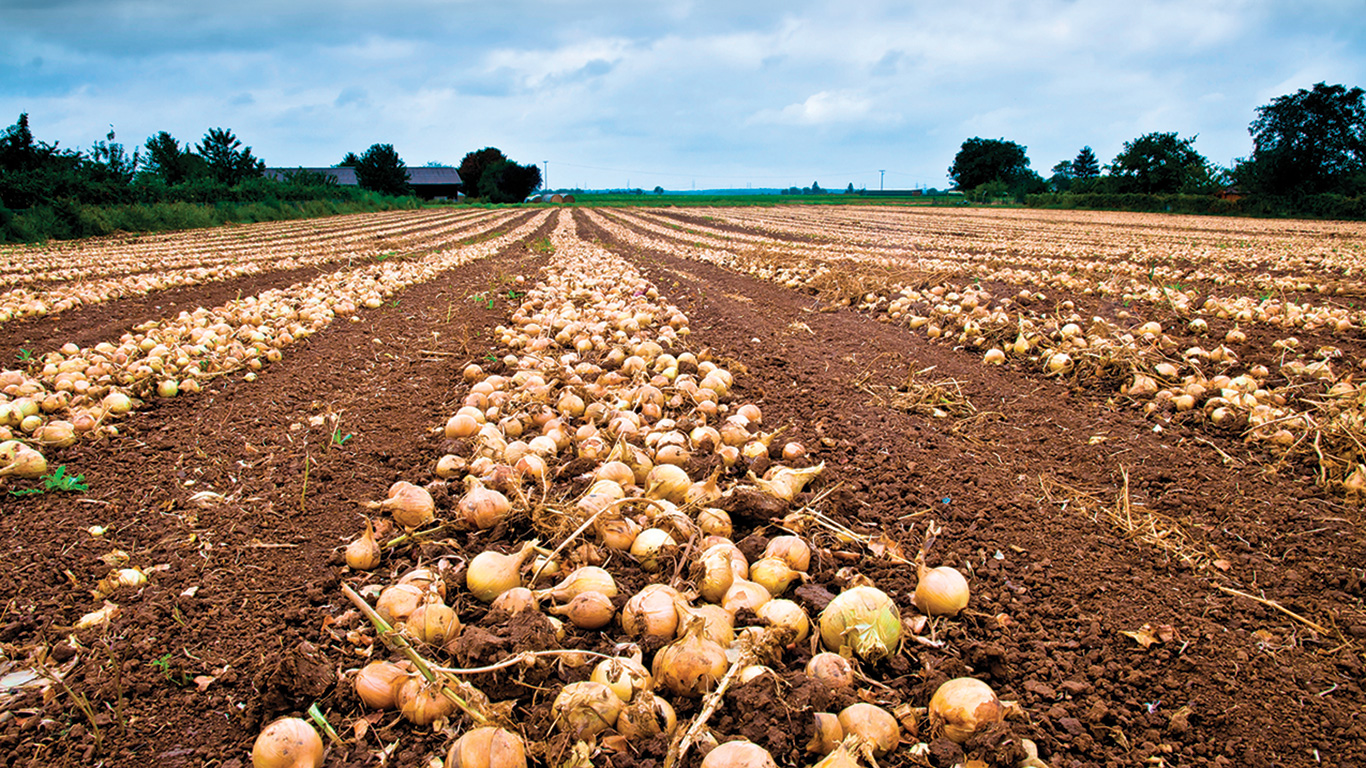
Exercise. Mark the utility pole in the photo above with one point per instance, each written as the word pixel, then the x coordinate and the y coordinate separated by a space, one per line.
pixel 545 181
pixel 880 176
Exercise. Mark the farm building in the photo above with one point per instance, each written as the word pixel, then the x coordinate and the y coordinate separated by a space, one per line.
pixel 428 182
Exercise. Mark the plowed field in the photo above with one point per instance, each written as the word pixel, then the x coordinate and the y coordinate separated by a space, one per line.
pixel 1155 583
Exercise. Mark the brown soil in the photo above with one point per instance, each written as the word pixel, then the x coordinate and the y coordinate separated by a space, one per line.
pixel 243 619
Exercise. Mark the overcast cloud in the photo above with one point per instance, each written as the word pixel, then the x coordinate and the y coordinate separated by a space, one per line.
pixel 680 94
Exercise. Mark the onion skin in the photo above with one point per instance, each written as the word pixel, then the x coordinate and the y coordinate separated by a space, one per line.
pixel 832 669
pixel 963 705
pixel 377 682
pixel 873 723
pixel 288 743
pixel 941 591
pixel 863 618
pixel 586 708
pixel 692 665
pixel 487 747
pixel 739 754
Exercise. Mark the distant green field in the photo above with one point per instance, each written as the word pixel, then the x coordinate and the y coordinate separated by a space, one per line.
pixel 666 199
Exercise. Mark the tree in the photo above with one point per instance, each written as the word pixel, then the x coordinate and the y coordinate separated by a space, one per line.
pixel 982 160
pixel 1162 163
pixel 849 190
pixel 380 169
pixel 659 190
pixel 474 164
pixel 167 159
pixel 1085 165
pixel 508 182
pixel 227 161
pixel 350 161
pixel 109 169
pixel 1309 142
pixel 1062 176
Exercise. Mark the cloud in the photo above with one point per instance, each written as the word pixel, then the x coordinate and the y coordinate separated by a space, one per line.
pixel 820 108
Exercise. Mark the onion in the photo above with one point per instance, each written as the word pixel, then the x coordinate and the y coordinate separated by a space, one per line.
pixel 667 481
pixel 773 574
pixel 432 623
pixel 516 600
pixel 587 610
pixel 784 482
pixel 586 708
pixel 872 723
pixel 395 603
pixel 963 705
pixel 714 522
pixel 412 505
pixel 449 466
pixel 648 545
pixel 717 574
pixel 704 491
pixel 652 612
pixel 792 550
pixel 377 681
pixel 649 715
pixel 586 578
pixel 691 665
pixel 480 507
pixel 739 754
pixel 288 743
pixel 832 669
pixel 863 618
pixel 941 591
pixel 490 573
pixel 363 554
pixel 420 702
pixel 787 618
pixel 20 460
pixel 745 594
pixel 626 676
pixel 487 747
pixel 828 734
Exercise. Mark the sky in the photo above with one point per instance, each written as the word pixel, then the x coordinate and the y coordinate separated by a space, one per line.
pixel 686 94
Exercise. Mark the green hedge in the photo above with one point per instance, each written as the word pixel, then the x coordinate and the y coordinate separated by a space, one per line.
pixel 1325 206
pixel 66 219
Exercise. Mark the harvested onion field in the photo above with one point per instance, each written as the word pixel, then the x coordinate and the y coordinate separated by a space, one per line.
pixel 1141 439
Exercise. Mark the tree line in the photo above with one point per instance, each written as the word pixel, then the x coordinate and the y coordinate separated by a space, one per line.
pixel 49 191
pixel 1308 157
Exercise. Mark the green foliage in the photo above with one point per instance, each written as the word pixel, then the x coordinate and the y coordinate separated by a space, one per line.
pixel 980 161
pixel 167 160
pixel 349 161
pixel 1163 163
pixel 57 480
pixel 473 165
pixel 338 439
pixel 227 161
pixel 1309 142
pixel 1085 165
pixel 508 182
pixel 380 169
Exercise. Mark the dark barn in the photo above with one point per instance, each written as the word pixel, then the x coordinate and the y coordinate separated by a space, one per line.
pixel 428 182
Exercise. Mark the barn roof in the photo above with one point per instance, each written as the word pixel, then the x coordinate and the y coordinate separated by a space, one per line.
pixel 420 176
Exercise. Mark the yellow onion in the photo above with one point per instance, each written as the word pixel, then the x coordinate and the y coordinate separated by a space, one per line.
pixel 433 623
pixel 718 624
pixel 874 724
pixel 649 545
pixel 773 574
pixel 490 573
pixel 832 669
pixel 487 747
pixel 482 508
pixel 625 675
pixel 449 466
pixel 287 743
pixel 516 600
pixel 651 612
pixel 785 482
pixel 704 491
pixel 739 754
pixel 587 610
pixel 363 554
pixel 745 594
pixel 667 481
pixel 411 505
pixel 717 574
pixel 963 705
pixel 20 460
pixel 585 578
pixel 787 618
pixel 691 665
pixel 648 715
pixel 828 734
pixel 377 682
pixel 615 532
pixel 791 550
pixel 586 708
pixel 863 618
pixel 714 522
pixel 396 602
pixel 941 591
pixel 420 702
